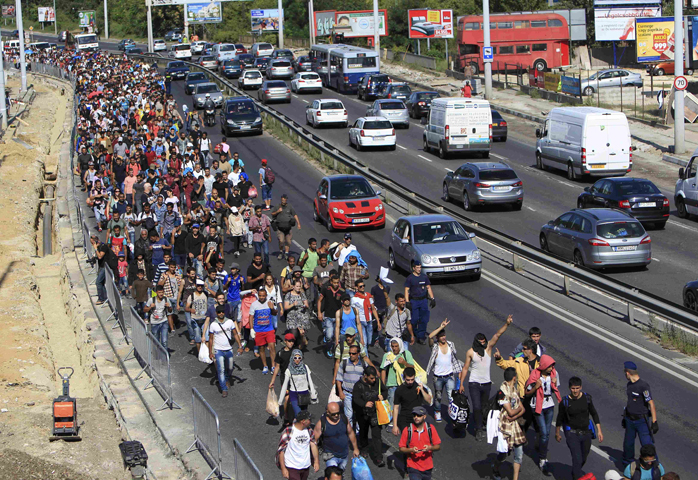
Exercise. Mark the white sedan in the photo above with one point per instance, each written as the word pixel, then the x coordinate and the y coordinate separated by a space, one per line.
pixel 325 111
pixel 306 81
pixel 159 45
pixel 197 47
pixel 251 78
pixel 372 132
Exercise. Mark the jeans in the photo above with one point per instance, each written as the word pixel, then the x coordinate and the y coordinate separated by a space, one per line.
pixel 545 422
pixel 635 427
pixel 181 260
pixel 391 398
pixel 518 456
pixel 348 408
pixel 160 331
pixel 275 320
pixel 199 267
pixel 414 474
pixel 123 284
pixel 235 310
pixel 99 216
pixel 101 287
pixel 196 328
pixel 579 445
pixel 260 247
pixel 439 383
pixel 420 317
pixel 337 462
pixel 190 327
pixel 224 367
pixel 479 395
pixel 328 325
pixel 266 192
pixel 293 402
pixel 367 328
pixel 132 237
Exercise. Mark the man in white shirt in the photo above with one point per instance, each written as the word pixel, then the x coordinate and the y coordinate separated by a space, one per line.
pixel 220 346
pixel 205 147
pixel 344 249
pixel 295 448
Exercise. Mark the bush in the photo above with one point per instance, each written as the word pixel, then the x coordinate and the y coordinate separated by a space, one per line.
pixel 534 93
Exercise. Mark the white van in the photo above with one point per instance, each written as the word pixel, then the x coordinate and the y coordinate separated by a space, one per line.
pixel 11 44
pixel 223 52
pixel 457 125
pixel 181 51
pixel 585 141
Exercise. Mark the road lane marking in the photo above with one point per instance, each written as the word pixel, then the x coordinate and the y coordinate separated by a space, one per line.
pixel 679 224
pixel 305 100
pixel 448 169
pixel 400 146
pixel 294 95
pixel 424 158
pixel 531 209
pixel 498 156
pixel 568 184
pixel 655 259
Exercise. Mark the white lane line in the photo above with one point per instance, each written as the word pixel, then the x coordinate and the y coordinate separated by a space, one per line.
pixel 400 146
pixel 448 169
pixel 498 156
pixel 531 209
pixel 298 245
pixel 294 95
pixel 305 100
pixel 679 224
pixel 655 259
pixel 424 158
pixel 568 184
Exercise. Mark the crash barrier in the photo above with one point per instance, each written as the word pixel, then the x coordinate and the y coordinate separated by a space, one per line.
pixel 52 70
pixel 140 342
pixel 114 299
pixel 207 436
pixel 160 374
pixel 633 297
pixel 244 466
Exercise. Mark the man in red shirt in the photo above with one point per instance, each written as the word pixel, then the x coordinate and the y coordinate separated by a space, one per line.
pixel 418 441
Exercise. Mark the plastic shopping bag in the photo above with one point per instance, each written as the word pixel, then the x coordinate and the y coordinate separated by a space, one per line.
pixel 204 354
pixel 272 403
pixel 385 414
pixel 334 398
pixel 360 470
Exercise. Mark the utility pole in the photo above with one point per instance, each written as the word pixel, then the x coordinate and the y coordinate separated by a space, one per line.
pixel 106 21
pixel 376 28
pixel 679 143
pixel 55 18
pixel 3 100
pixel 311 15
pixel 186 21
pixel 22 55
pixel 486 28
pixel 281 24
pixel 149 3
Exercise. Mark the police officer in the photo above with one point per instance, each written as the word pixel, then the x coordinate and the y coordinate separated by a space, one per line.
pixel 640 414
pixel 168 83
pixel 419 297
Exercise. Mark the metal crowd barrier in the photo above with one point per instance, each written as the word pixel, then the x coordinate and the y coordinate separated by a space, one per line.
pixel 207 436
pixel 160 373
pixel 140 341
pixel 244 466
pixel 115 302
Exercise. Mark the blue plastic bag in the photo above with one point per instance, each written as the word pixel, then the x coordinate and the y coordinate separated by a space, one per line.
pixel 360 470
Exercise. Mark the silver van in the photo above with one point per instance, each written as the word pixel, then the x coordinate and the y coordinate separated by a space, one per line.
pixel 262 49
pixel 223 52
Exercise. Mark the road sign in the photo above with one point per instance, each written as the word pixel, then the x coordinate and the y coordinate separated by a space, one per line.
pixel 31 28
pixel 680 83
pixel 487 54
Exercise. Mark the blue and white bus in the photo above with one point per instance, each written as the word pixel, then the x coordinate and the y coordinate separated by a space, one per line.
pixel 342 66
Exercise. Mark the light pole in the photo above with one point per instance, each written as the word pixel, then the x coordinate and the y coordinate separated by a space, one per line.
pixel 3 108
pixel 22 54
pixel 55 18
pixel 106 21
pixel 149 3
pixel 311 16
pixel 679 143
pixel 488 66
pixel 376 28
pixel 281 24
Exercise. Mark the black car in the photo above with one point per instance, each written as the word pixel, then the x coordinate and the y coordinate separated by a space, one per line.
pixel 283 53
pixel 302 64
pixel 177 70
pixel 397 91
pixel 261 63
pixel 240 115
pixel 370 85
pixel 499 127
pixel 246 59
pixel 637 196
pixel 690 295
pixel 419 103
pixel 231 69
pixel 133 50
pixel 173 35
pixel 192 80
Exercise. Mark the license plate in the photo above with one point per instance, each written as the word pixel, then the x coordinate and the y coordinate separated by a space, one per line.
pixel 598 166
pixel 456 268
pixel 496 189
pixel 244 127
pixel 647 204
pixel 495 124
pixel 361 220
pixel 629 248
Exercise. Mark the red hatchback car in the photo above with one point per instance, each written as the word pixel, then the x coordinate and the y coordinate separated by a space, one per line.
pixel 348 201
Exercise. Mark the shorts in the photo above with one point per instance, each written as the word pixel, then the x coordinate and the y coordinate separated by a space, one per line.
pixel 264 338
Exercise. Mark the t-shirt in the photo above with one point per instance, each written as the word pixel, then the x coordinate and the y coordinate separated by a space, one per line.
pixel 310 263
pixel 219 331
pixel 199 302
pixel 123 269
pixel 158 310
pixel 253 271
pixel 358 304
pixel 261 313
pixel 417 286
pixel 379 297
pixel 323 274
pixel 283 359
pixel 235 287
pixel 297 454
pixel 407 398
pixel 158 251
pixel 420 461
pixel 644 474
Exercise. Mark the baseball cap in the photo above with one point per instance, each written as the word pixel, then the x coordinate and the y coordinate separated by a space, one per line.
pixel 350 331
pixel 630 365
pixel 417 263
pixel 234 209
pixel 235 265
pixel 347 236
pixel 121 255
pixel 264 161
pixel 612 475
pixel 220 308
pixel 199 281
pixel 290 336
pixel 196 225
pixel 419 411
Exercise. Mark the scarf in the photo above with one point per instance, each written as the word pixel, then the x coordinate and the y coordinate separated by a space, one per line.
pixel 297 369
pixel 545 362
pixel 477 346
pixel 366 297
pixel 391 359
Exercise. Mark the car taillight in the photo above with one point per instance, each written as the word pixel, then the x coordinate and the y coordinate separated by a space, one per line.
pixel 624 204
pixel 266 91
pixel 421 103
pixel 666 202
pixel 346 79
pixel 584 157
pixel 345 112
pixel 288 90
pixel 597 242
pixel 390 80
pixel 393 133
pixel 502 123
pixel 301 81
pixel 318 113
pixel 490 133
pixel 390 95
pixel 448 132
pixel 362 133
pixel 630 162
pixel 482 185
pixel 518 184
pixel 645 240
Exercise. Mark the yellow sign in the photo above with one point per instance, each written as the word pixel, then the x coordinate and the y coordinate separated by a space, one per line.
pixel 552 81
pixel 655 39
pixel 434 16
pixel 31 28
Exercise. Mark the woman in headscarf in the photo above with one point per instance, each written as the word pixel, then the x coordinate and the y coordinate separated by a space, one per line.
pixel 298 382
pixel 511 436
pixel 394 362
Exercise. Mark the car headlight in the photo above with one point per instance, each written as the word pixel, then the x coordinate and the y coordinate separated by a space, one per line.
pixel 474 256
pixel 337 210
pixel 230 122
pixel 258 119
pixel 427 259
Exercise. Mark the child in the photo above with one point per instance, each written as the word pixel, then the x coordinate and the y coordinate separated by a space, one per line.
pixel 139 291
pixel 122 268
pixel 248 297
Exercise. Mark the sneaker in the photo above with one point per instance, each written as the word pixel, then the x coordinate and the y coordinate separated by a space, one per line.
pixel 280 256
pixel 437 417
pixel 244 344
pixel 495 473
pixel 225 393
pixel 543 464
pixel 236 254
pixel 265 371
pixel 329 354
pixel 272 370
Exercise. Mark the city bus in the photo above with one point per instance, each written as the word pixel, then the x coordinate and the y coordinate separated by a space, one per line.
pixel 538 40
pixel 342 66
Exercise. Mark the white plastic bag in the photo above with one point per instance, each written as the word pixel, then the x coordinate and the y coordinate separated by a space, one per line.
pixel 204 354
pixel 272 403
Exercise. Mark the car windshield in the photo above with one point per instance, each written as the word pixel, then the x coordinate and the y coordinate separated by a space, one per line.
pixel 253 75
pixel 496 115
pixel 265 46
pixel 246 57
pixel 179 48
pixel 231 63
pixel 310 76
pixel 427 96
pixel 494 175
pixel 392 106
pixel 178 65
pixel 620 230
pixel 378 125
pixel 207 88
pixel 303 59
pixel 278 84
pixel 351 188
pixel 284 53
pixel 637 188
pixel 402 89
pixel 282 63
pixel 331 106
pixel 197 76
pixel 261 61
pixel 159 41
pixel 380 79
pixel 242 108
pixel 227 48
pixel 207 58
pixel 439 232
pixel 86 39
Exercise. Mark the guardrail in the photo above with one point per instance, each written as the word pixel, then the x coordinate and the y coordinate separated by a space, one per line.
pixel 140 341
pixel 114 300
pixel 207 437
pixel 244 466
pixel 160 373
pixel 632 296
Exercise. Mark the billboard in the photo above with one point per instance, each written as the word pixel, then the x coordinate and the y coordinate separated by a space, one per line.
pixel 46 14
pixel 694 39
pixel 87 18
pixel 614 24
pixel 204 13
pixel 324 22
pixel 360 23
pixel 430 23
pixel 8 10
pixel 655 39
pixel 265 20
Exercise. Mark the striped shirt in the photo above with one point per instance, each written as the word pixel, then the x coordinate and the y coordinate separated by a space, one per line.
pixel 159 270
pixel 349 374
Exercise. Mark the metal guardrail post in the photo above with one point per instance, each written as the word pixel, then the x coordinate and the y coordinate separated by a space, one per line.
pixel 160 373
pixel 631 314
pixel 244 466
pixel 207 436
pixel 517 263
pixel 139 340
pixel 566 285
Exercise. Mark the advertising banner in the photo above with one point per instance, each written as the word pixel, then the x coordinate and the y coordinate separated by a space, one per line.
pixel 430 23
pixel 324 22
pixel 571 86
pixel 46 14
pixel 694 39
pixel 535 79
pixel 87 18
pixel 551 81
pixel 360 23
pixel 8 10
pixel 614 24
pixel 204 13
pixel 265 20
pixel 655 39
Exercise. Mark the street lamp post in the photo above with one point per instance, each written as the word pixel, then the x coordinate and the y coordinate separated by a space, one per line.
pixel 22 54
pixel 106 21
pixel 679 140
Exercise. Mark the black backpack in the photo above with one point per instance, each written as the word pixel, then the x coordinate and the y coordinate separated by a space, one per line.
pixel 149 223
pixel 492 404
pixel 409 434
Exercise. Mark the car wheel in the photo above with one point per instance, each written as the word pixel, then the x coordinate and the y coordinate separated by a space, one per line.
pixel 316 217
pixel 425 147
pixel 446 196
pixel 358 145
pixel 407 126
pixel 681 208
pixel 660 72
pixel 391 260
pixel 330 228
pixel 578 259
pixel 544 243
pixel 410 113
pixel 539 161
pixel 660 225
pixel 442 151
pixel 570 172
pixel 485 154
pixel 589 91
pixel 393 147
pixel 580 204
pixel 466 202
pixel 307 122
pixel 689 300
pixel 540 65
pixel 346 125
pixel 689 72
pixel 517 206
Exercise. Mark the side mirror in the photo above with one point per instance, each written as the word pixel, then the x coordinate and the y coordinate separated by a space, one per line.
pixel 538 133
pixel 405 241
pixel 586 189
pixel 551 222
pixel 682 173
pixel 378 192
pixel 424 120
pixel 471 235
pixel 323 197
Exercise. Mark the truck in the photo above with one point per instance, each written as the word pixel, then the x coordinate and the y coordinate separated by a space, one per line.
pixel 86 42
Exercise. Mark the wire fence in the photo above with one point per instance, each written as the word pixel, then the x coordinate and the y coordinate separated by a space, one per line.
pixel 140 341
pixel 244 466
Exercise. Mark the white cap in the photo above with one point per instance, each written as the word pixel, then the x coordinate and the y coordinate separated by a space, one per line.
pixel 384 275
pixel 121 139
pixel 199 281
pixel 234 209
pixel 613 475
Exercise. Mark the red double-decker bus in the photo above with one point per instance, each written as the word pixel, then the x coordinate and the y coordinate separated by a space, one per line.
pixel 539 40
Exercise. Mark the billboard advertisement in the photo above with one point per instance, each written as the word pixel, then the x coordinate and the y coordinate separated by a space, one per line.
pixel 360 23
pixel 87 18
pixel 265 20
pixel 430 23
pixel 46 14
pixel 655 39
pixel 694 39
pixel 614 24
pixel 8 10
pixel 204 13
pixel 324 22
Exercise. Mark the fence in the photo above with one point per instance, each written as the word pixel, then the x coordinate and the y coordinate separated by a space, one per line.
pixel 140 341
pixel 244 466
pixel 160 374
pixel 115 304
pixel 207 437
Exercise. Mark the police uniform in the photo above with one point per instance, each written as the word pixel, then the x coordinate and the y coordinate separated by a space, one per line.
pixel 168 83
pixel 418 291
pixel 637 416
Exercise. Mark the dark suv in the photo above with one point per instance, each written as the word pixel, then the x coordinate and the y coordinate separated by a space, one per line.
pixel 240 115
pixel 371 85
pixel 395 91
pixel 419 103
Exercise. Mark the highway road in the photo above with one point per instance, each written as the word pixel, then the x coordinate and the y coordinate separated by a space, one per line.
pixel 472 307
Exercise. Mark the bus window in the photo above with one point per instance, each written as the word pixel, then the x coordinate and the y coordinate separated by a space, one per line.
pixel 506 50
pixel 472 26
pixel 522 24
pixel 555 23
pixel 540 47
pixel 469 49
pixel 361 62
pixel 505 25
pixel 537 23
pixel 493 25
pixel 523 49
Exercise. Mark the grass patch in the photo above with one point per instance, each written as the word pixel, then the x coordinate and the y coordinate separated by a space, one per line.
pixel 534 93
pixel 672 337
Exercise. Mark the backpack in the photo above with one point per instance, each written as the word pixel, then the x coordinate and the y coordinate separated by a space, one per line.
pixel 409 434
pixel 269 177
pixel 636 471
pixel 566 403
pixel 149 223
pixel 323 424
pixel 491 404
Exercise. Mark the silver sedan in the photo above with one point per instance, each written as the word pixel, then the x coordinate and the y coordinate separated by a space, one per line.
pixel 393 110
pixel 610 78
pixel 484 183
pixel 274 91
pixel 199 97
